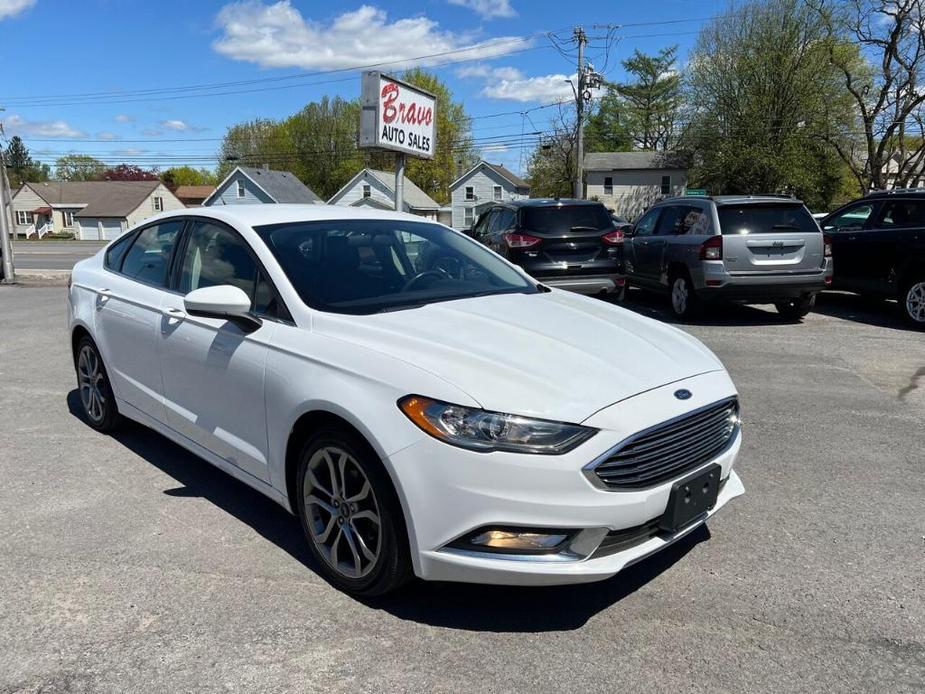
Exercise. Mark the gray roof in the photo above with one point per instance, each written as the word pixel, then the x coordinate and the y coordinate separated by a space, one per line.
pixel 612 161
pixel 282 186
pixel 509 175
pixel 414 196
pixel 102 198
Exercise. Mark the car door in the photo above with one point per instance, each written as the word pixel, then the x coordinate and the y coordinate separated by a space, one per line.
pixel 214 369
pixel 649 259
pixel 883 243
pixel 848 231
pixel 128 310
pixel 636 247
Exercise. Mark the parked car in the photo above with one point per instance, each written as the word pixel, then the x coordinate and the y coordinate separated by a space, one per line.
pixel 746 249
pixel 878 243
pixel 461 424
pixel 570 244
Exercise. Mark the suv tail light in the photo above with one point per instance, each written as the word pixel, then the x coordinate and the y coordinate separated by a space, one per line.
pixel 826 246
pixel 712 248
pixel 520 240
pixel 613 238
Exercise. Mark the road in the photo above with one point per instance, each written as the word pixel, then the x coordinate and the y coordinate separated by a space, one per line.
pixel 52 255
pixel 131 565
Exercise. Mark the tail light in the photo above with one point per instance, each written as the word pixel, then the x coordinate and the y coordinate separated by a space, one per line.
pixel 520 240
pixel 826 246
pixel 613 238
pixel 712 248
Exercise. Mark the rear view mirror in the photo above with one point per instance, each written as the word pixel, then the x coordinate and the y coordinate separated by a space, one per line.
pixel 223 301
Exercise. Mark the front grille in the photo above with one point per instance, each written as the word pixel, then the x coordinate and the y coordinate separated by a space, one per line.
pixel 669 450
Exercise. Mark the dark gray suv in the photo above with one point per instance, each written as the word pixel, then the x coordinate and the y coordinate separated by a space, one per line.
pixel 746 249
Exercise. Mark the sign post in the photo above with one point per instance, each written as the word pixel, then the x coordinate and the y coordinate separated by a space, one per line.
pixel 400 117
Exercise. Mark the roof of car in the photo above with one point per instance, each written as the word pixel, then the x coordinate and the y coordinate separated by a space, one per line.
pixel 257 215
pixel 736 199
pixel 897 192
pixel 546 202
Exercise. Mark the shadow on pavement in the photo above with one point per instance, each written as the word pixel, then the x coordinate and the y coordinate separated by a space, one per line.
pixel 861 309
pixel 451 605
pixel 656 306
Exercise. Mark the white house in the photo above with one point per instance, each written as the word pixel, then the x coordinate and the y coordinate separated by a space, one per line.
pixel 481 186
pixel 628 182
pixel 250 186
pixel 91 210
pixel 373 188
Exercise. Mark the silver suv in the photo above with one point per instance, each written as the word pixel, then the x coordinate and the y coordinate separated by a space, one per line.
pixel 747 249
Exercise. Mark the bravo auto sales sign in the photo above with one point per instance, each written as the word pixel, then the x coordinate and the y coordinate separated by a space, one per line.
pixel 397 116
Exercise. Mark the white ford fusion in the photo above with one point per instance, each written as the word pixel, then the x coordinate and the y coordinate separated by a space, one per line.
pixel 422 405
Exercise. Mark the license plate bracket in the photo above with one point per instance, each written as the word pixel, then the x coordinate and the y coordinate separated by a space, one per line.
pixel 691 498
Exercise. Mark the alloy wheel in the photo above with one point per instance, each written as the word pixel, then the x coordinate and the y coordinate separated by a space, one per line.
pixel 343 513
pixel 91 381
pixel 679 296
pixel 915 302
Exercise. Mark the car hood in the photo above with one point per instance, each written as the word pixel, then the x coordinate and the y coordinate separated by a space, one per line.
pixel 553 355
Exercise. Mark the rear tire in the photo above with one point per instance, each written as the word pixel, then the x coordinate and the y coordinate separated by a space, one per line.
pixel 351 515
pixel 618 296
pixel 795 309
pixel 685 304
pixel 96 396
pixel 912 302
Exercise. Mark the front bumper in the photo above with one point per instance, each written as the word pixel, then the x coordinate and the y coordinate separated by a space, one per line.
pixel 449 492
pixel 761 287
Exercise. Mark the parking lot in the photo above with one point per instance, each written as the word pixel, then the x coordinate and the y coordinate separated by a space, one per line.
pixel 131 565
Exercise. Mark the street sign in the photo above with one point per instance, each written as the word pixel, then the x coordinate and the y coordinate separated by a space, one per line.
pixel 695 191
pixel 397 116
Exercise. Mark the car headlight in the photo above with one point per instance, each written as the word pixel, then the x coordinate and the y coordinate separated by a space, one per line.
pixel 482 430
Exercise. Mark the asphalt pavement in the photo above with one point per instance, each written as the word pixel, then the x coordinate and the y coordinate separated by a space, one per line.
pixel 52 255
pixel 130 565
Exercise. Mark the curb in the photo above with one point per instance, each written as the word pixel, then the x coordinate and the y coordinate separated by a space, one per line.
pixel 41 278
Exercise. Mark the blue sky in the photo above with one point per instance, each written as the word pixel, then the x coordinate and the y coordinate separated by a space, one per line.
pixel 127 79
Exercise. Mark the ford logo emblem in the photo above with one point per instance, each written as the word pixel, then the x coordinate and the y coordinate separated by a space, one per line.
pixel 683 394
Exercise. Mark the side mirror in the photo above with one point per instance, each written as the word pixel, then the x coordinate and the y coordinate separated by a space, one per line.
pixel 223 301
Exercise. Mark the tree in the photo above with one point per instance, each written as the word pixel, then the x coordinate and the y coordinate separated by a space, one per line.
pixel 606 129
pixel 21 168
pixel 551 170
pixel 884 81
pixel 79 167
pixel 651 101
pixel 129 172
pixel 766 104
pixel 187 176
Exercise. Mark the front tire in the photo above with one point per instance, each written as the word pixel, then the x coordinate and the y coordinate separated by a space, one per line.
pixel 685 304
pixel 96 396
pixel 351 516
pixel 795 309
pixel 912 302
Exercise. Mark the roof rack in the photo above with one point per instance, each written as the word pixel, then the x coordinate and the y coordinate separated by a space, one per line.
pixel 895 191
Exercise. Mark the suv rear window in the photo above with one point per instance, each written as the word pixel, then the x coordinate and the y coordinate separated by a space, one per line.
pixel 765 219
pixel 561 219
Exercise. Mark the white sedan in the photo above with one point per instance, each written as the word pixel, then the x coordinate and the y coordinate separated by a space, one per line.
pixel 422 405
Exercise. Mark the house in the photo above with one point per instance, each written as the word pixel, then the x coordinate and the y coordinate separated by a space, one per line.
pixel 91 210
pixel 249 186
pixel 479 187
pixel 373 188
pixel 628 182
pixel 193 196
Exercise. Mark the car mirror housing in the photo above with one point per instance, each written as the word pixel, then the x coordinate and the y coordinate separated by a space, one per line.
pixel 222 301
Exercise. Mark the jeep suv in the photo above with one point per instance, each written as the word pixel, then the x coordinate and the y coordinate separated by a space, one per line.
pixel 570 244
pixel 879 244
pixel 746 249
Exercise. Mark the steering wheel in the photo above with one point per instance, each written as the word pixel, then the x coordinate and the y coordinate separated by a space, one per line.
pixel 450 265
pixel 440 272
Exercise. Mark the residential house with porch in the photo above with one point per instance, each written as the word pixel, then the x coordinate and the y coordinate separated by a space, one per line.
pixel 374 188
pixel 479 187
pixel 91 210
pixel 251 186
pixel 629 182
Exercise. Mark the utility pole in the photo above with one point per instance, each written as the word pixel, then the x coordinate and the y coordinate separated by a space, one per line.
pixel 400 182
pixel 6 246
pixel 579 188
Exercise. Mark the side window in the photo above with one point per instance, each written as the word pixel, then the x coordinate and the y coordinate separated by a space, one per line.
pixel 668 222
pixel 215 255
pixel 504 219
pixel 116 252
pixel 267 302
pixel 148 258
pixel 646 225
pixel 694 221
pixel 902 213
pixel 852 219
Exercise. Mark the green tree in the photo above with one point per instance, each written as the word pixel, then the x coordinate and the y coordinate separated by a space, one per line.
pixel 651 101
pixel 765 103
pixel 606 129
pixel 79 167
pixel 21 168
pixel 187 176
pixel 552 166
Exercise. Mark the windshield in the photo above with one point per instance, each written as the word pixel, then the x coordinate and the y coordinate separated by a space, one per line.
pixel 367 266
pixel 765 219
pixel 562 219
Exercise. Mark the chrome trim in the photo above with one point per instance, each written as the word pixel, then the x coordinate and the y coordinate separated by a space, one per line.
pixel 592 477
pixel 582 546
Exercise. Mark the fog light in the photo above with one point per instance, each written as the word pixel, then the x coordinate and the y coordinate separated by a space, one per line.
pixel 514 540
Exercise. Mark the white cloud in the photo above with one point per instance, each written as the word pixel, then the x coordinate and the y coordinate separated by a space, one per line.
pixel 124 118
pixel 276 35
pixel 181 126
pixel 483 70
pixel 511 84
pixel 107 135
pixel 17 125
pixel 129 152
pixel 11 8
pixel 488 9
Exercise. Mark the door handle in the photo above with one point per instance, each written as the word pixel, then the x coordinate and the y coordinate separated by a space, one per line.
pixel 102 296
pixel 175 313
